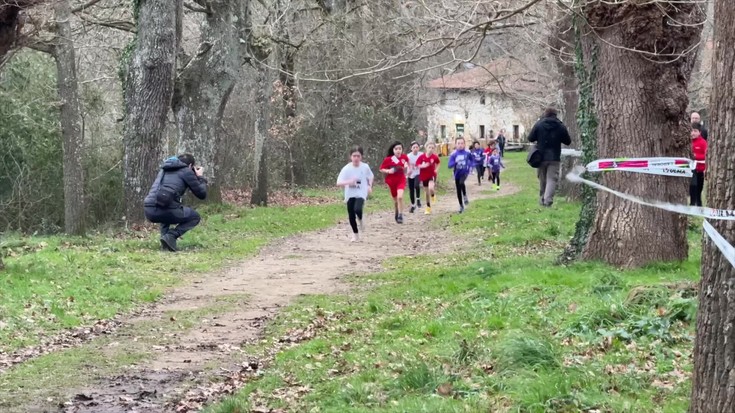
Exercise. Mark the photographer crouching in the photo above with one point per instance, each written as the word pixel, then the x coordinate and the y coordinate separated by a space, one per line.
pixel 163 203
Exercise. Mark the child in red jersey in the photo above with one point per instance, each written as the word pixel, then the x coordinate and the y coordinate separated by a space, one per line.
pixel 699 150
pixel 428 164
pixel 394 167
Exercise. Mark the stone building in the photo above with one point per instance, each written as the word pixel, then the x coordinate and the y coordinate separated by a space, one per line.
pixel 480 101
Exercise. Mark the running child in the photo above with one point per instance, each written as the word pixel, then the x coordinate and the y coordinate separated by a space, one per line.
pixel 428 164
pixel 494 163
pixel 461 161
pixel 414 186
pixel 357 179
pixel 478 157
pixel 394 167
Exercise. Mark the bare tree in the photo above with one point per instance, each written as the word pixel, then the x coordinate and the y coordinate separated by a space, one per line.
pixel 71 121
pixel 643 62
pixel 713 386
pixel 562 43
pixel 204 85
pixel 149 87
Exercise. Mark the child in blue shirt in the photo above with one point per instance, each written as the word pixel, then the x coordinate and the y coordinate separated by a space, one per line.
pixel 461 161
pixel 478 157
pixel 494 162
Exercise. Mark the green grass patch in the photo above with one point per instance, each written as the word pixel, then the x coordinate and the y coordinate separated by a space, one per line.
pixel 498 328
pixel 56 282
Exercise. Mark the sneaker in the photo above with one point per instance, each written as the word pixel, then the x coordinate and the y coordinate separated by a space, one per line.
pixel 466 201
pixel 461 209
pixel 433 198
pixel 418 203
pixel 427 211
pixel 399 219
pixel 413 208
pixel 355 238
pixel 497 187
pixel 169 241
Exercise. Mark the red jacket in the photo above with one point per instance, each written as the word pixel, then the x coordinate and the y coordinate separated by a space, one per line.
pixel 699 149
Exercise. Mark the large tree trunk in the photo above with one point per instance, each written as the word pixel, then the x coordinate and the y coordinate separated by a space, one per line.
pixel 203 89
pixel 585 68
pixel 562 49
pixel 262 128
pixel 641 100
pixel 71 121
pixel 713 387
pixel 149 86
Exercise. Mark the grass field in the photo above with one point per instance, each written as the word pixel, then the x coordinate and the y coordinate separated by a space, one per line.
pixel 497 328
pixel 51 283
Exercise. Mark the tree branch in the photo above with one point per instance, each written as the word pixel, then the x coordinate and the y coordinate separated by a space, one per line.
pixel 122 25
pixel 204 9
pixel 85 6
pixel 45 47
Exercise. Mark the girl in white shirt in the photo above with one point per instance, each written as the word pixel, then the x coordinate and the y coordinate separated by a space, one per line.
pixel 357 179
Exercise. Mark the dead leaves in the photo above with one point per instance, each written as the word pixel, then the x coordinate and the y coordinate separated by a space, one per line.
pixel 197 398
pixel 282 198
pixel 64 340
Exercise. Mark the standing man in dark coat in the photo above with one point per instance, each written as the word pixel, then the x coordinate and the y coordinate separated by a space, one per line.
pixel 163 203
pixel 501 142
pixel 695 118
pixel 549 133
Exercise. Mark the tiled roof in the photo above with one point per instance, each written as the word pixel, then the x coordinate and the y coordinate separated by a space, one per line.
pixel 505 75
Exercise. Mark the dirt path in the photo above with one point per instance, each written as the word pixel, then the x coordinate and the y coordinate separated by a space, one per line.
pixel 312 263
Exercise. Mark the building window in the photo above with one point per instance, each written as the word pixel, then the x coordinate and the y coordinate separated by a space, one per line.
pixel 443 132
pixel 460 130
pixel 482 99
pixel 516 133
pixel 482 131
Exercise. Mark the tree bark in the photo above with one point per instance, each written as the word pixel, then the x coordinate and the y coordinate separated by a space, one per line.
pixel 562 49
pixel 149 86
pixel 585 68
pixel 262 128
pixel 203 88
pixel 259 55
pixel 641 99
pixel 71 121
pixel 713 385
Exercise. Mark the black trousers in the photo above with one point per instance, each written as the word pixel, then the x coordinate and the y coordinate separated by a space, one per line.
pixel 480 172
pixel 461 189
pixel 495 177
pixel 185 217
pixel 354 211
pixel 696 186
pixel 414 189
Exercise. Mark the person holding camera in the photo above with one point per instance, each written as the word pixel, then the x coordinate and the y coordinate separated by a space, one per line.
pixel 163 205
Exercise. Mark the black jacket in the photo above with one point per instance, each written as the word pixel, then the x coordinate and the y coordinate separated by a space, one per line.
pixel 178 177
pixel 704 132
pixel 550 133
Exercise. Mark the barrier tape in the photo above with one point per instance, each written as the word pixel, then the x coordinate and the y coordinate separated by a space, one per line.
pixel 704 212
pixel 654 166
pixel 727 250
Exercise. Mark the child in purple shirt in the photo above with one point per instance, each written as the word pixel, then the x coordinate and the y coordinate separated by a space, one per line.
pixel 461 161
pixel 494 162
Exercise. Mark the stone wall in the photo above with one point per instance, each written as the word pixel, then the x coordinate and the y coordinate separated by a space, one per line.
pixel 466 108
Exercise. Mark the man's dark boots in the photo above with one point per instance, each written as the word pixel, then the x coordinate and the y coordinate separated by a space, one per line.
pixel 169 241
